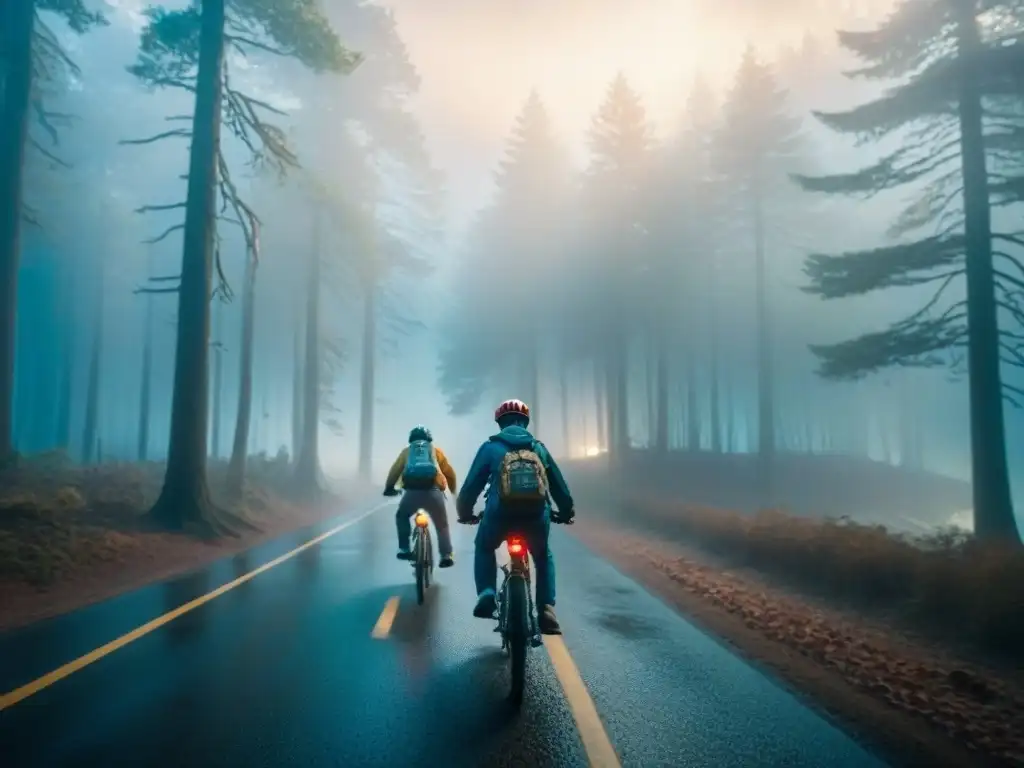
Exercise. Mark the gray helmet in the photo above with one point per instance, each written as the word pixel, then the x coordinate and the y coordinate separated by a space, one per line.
pixel 419 432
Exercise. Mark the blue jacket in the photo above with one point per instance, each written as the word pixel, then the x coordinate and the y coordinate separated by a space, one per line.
pixel 488 461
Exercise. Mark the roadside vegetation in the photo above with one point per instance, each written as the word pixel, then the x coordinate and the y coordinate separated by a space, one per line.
pixel 945 583
pixel 58 518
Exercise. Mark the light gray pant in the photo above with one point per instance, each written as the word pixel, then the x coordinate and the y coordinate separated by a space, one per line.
pixel 433 502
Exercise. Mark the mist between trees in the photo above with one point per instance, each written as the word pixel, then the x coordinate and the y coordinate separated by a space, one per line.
pixel 642 293
pixel 647 300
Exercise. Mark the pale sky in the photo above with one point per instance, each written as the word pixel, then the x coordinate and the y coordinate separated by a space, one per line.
pixel 478 60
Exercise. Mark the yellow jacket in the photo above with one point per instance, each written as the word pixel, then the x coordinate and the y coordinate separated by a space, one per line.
pixel 445 474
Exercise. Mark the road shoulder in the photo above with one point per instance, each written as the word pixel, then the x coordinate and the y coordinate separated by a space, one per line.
pixel 880 693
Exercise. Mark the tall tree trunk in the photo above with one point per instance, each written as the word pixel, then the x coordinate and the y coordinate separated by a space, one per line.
pixel 651 388
pixel 307 464
pixel 16 30
pixel 63 436
pixel 531 370
pixel 243 418
pixel 367 387
pixel 185 497
pixel 92 392
pixel 610 401
pixel 661 389
pixel 261 438
pixel 600 404
pixel 713 363
pixel 587 387
pixel 681 416
pixel 25 404
pixel 69 328
pixel 993 508
pixel 692 402
pixel 146 387
pixel 730 418
pixel 297 391
pixel 765 373
pixel 620 403
pixel 217 417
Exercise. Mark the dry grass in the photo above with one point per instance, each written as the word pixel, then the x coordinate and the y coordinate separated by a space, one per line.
pixel 946 583
pixel 58 520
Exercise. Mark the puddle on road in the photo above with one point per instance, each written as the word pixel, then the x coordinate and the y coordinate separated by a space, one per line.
pixel 627 626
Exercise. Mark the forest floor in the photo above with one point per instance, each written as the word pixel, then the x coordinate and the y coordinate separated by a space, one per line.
pixel 74 535
pixel 915 645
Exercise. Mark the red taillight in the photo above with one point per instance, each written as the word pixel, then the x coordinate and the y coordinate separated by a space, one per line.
pixel 516 547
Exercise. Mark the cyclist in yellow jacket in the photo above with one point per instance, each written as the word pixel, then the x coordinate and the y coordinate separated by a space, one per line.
pixel 425 474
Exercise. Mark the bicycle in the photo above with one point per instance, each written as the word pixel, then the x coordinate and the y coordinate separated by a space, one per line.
pixel 422 549
pixel 516 614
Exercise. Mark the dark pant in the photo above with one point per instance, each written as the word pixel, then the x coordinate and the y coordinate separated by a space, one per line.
pixel 495 526
pixel 433 503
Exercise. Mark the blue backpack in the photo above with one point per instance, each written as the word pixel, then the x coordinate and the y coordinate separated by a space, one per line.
pixel 420 466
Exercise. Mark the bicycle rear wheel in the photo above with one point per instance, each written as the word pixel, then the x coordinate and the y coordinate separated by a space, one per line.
pixel 516 635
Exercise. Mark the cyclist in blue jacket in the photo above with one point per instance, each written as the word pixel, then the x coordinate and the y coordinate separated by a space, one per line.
pixel 523 478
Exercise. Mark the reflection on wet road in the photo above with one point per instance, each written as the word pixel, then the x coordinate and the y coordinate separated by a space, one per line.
pixel 281 669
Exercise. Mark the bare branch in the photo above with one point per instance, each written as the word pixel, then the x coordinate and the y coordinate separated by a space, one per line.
pixel 43 118
pixel 1010 279
pixel 1013 395
pixel 155 208
pixel 165 234
pixel 949 277
pixel 47 153
pixel 176 133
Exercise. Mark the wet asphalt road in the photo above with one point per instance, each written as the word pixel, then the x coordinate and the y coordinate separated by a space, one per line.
pixel 282 671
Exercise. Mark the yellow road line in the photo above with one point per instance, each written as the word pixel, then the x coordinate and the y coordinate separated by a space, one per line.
pixel 29 689
pixel 387 617
pixel 596 743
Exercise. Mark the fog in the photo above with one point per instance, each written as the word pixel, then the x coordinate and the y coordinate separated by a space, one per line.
pixel 406 150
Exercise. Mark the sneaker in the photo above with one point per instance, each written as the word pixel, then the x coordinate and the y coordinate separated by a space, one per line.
pixel 486 606
pixel 447 561
pixel 548 621
pixel 404 554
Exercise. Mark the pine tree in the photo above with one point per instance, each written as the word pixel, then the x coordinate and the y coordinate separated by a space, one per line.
pixel 681 281
pixel 954 100
pixel 615 195
pixel 760 145
pixel 186 49
pixel 515 245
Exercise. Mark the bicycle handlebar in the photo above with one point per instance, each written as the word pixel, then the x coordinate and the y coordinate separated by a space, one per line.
pixel 556 519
